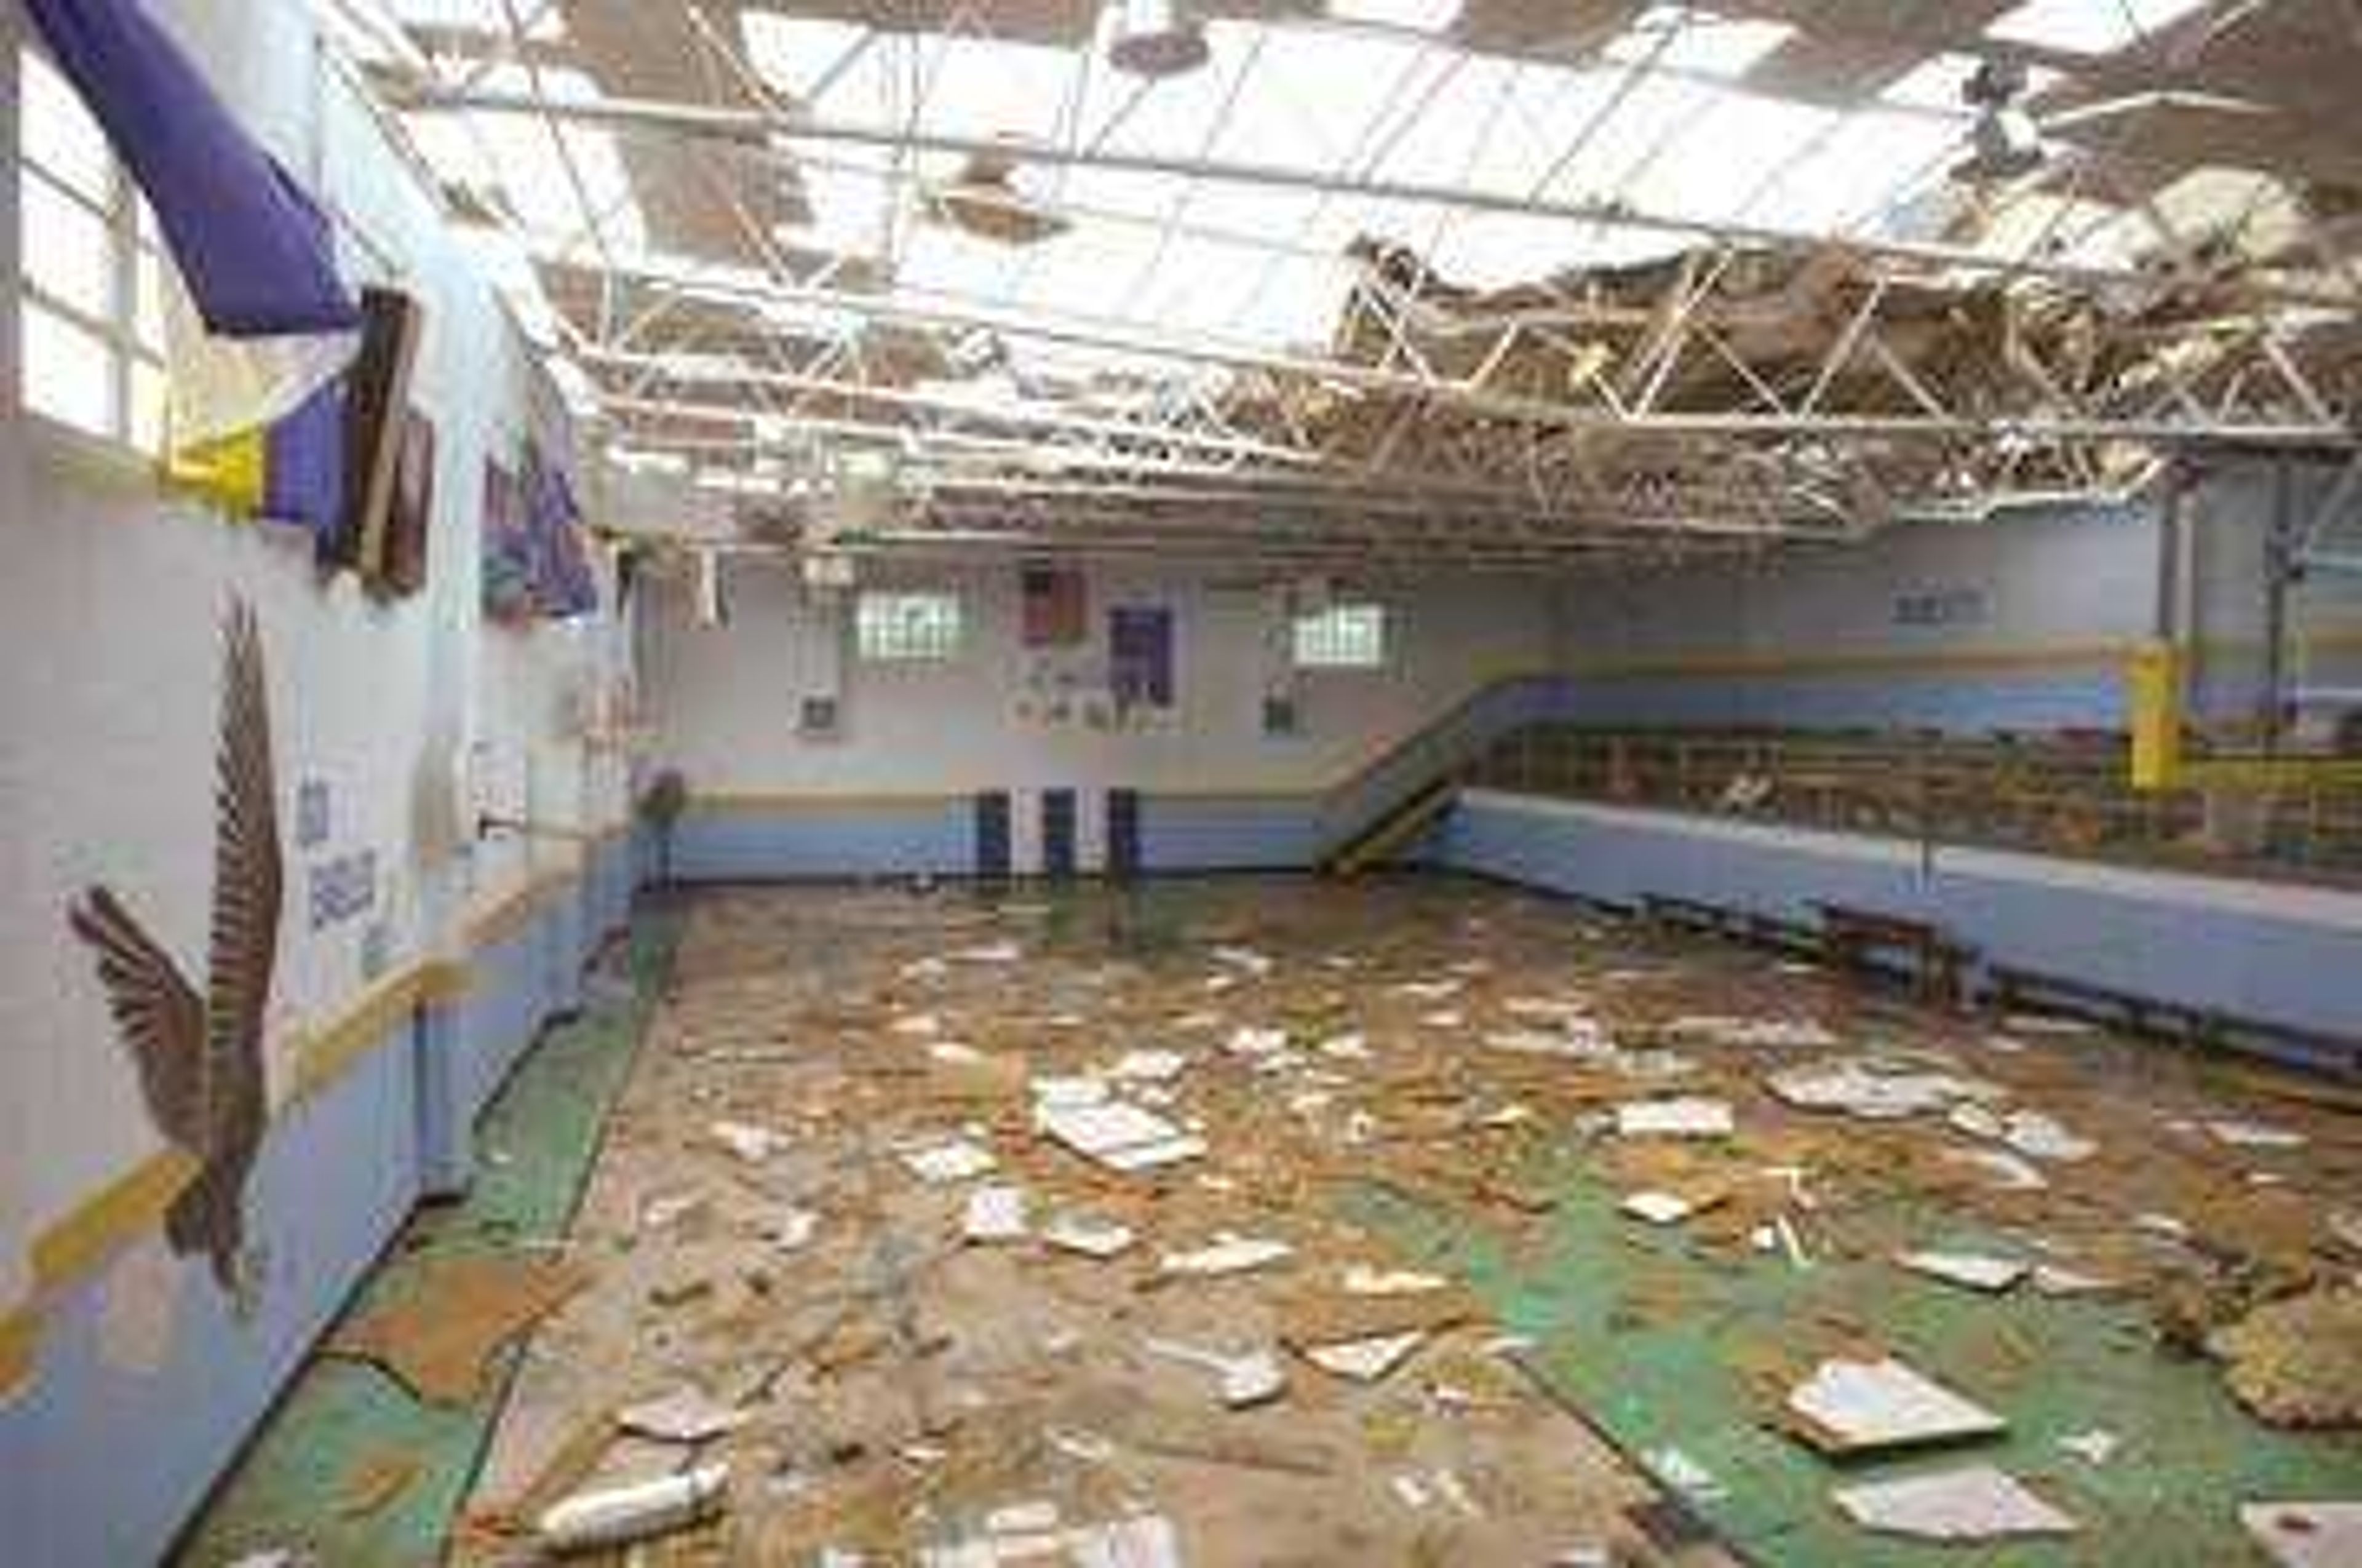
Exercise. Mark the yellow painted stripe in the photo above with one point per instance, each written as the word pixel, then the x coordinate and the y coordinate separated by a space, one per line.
pixel 20 1339
pixel 124 1210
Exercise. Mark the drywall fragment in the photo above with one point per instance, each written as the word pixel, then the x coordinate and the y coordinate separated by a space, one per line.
pixel 989 952
pixel 2057 1279
pixel 1069 1089
pixel 1243 1379
pixel 2094 1447
pixel 1858 1407
pixel 1246 960
pixel 685 1414
pixel 668 1208
pixel 1352 1047
pixel 614 1516
pixel 995 1213
pixel 1872 1091
pixel 1228 1253
pixel 1684 1475
pixel 793 1230
pixel 1119 1135
pixel 1149 1066
pixel 2041 1137
pixel 955 1159
pixel 1360 1279
pixel 2010 1173
pixel 953 1054
pixel 2306 1535
pixel 2254 1135
pixel 438 1335
pixel 1250 1039
pixel 1975 1271
pixel 1658 1208
pixel 1365 1361
pixel 1978 1503
pixel 1429 990
pixel 1092 1237
pixel 918 1025
pixel 1689 1117
pixel 751 1144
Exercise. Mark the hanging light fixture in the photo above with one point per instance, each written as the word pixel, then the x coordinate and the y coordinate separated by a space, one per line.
pixel 1157 38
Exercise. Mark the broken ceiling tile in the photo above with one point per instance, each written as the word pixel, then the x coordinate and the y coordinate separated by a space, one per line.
pixel 2254 1135
pixel 995 1213
pixel 684 1415
pixel 1658 1208
pixel 1365 1361
pixel 1975 1271
pixel 1226 1254
pixel 1689 1117
pixel 1243 1379
pixel 1149 1066
pixel 1977 1502
pixel 1121 1136
pixel 2306 1535
pixel 2011 1173
pixel 1360 1279
pixel 2057 1279
pixel 1092 1237
pixel 955 1159
pixel 2041 1137
pixel 751 1144
pixel 2096 1446
pixel 1872 1091
pixel 793 1229
pixel 1859 1407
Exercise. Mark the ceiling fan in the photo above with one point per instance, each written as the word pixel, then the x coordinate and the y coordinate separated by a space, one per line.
pixel 2009 142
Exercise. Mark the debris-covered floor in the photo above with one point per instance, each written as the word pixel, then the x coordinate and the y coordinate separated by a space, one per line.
pixel 1273 1222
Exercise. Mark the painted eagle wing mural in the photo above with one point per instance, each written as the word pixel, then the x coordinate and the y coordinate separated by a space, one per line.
pixel 162 1018
pixel 248 875
pixel 200 1058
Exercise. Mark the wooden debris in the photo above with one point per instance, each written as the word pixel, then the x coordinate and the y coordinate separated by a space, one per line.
pixel 454 1312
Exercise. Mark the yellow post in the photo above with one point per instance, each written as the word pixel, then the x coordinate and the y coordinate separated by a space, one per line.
pixel 2154 680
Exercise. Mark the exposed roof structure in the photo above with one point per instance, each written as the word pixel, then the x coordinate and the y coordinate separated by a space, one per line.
pixel 1507 281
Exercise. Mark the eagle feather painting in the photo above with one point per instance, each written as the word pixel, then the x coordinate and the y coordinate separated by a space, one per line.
pixel 200 1055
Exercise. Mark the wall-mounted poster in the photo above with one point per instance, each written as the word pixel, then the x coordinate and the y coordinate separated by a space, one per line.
pixel 411 512
pixel 1055 615
pixel 1139 657
pixel 508 551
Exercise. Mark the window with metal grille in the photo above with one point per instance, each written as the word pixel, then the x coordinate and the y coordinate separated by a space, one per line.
pixel 1342 636
pixel 90 313
pixel 904 627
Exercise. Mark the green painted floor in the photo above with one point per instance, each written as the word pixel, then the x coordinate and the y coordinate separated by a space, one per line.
pixel 1589 1289
pixel 345 1431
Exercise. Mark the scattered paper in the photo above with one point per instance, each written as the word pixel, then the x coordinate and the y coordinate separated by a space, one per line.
pixel 1244 1379
pixel 1976 1271
pixel 2306 1535
pixel 1365 1361
pixel 1658 1208
pixel 1226 1254
pixel 1685 1118
pixel 684 1415
pixel 1979 1503
pixel 1091 1237
pixel 1855 1406
pixel 955 1160
pixel 1120 1136
pixel 995 1213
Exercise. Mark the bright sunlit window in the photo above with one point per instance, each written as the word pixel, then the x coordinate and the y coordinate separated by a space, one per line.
pixel 91 317
pixel 1342 636
pixel 907 627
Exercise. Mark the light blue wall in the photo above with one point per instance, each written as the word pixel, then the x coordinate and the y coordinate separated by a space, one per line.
pixel 820 839
pixel 2279 955
pixel 1214 833
pixel 100 1465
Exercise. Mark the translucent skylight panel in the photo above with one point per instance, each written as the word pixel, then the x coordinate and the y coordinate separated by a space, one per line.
pixel 1417 16
pixel 1500 251
pixel 797 54
pixel 848 192
pixel 1172 117
pixel 1649 118
pixel 1477 129
pixel 979 87
pixel 1689 38
pixel 2043 225
pixel 1093 270
pixel 1872 160
pixel 1314 99
pixel 944 261
pixel 537 182
pixel 1718 164
pixel 2088 26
